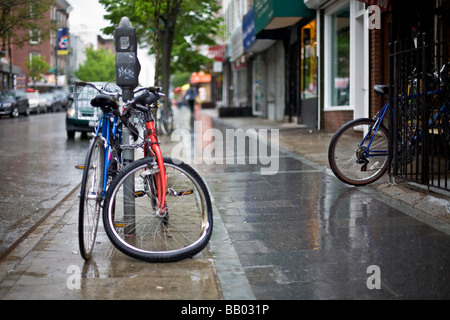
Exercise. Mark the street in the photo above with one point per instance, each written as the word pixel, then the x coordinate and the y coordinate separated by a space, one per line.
pixel 37 170
pixel 297 233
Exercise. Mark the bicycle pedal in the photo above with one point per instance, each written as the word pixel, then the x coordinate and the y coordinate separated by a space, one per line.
pixel 185 193
pixel 79 166
pixel 120 225
pixel 172 192
pixel 140 193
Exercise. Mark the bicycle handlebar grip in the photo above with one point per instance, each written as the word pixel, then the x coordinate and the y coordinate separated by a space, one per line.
pixel 146 98
pixel 155 89
pixel 81 83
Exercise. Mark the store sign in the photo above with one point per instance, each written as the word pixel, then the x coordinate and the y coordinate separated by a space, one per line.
pixel 63 42
pixel 384 5
pixel 248 29
pixel 217 52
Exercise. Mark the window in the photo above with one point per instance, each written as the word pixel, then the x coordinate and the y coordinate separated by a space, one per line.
pixel 338 57
pixel 34 54
pixel 35 36
pixel 346 58
pixel 308 61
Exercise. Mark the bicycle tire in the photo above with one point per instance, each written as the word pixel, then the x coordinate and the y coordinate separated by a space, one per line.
pixel 345 150
pixel 90 197
pixel 166 122
pixel 182 233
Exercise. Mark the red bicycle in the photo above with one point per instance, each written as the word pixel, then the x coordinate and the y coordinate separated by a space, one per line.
pixel 156 209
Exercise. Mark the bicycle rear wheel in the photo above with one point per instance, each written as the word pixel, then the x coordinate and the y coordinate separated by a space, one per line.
pixel 347 157
pixel 166 121
pixel 90 197
pixel 132 220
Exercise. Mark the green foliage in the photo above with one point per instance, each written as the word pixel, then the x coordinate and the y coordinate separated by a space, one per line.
pixel 36 66
pixel 179 26
pixel 17 18
pixel 180 78
pixel 100 65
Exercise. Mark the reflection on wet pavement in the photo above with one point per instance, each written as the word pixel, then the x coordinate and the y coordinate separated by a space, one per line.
pixel 301 234
pixel 37 170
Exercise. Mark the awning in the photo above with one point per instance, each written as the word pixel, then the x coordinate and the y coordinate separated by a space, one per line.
pixel 271 14
pixel 251 42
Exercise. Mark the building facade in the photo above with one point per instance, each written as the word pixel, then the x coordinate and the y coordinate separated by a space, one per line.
pixel 270 64
pixel 55 50
pixel 314 62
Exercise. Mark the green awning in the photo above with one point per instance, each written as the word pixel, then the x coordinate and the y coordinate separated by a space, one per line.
pixel 271 14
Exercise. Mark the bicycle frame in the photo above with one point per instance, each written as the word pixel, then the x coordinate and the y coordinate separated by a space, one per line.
pixel 161 176
pixel 378 121
pixel 104 125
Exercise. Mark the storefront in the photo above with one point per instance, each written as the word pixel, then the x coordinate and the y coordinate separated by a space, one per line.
pixel 344 61
pixel 9 75
pixel 279 69
pixel 302 86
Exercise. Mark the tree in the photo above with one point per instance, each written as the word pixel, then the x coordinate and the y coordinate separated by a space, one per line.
pixel 36 66
pixel 100 65
pixel 17 18
pixel 171 29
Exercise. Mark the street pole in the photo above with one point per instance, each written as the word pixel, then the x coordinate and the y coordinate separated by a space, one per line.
pixel 127 73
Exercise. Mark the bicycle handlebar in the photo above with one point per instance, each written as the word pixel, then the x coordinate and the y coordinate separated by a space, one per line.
pixel 155 90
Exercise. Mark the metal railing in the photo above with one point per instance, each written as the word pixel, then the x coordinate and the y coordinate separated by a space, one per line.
pixel 420 115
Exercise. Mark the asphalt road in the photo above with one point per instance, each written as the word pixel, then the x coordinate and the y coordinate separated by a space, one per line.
pixel 36 171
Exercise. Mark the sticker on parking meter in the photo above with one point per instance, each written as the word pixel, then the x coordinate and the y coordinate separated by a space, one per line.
pixel 124 42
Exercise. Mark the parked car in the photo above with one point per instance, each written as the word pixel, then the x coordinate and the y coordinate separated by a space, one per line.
pixel 64 95
pixel 36 102
pixel 13 103
pixel 53 103
pixel 81 116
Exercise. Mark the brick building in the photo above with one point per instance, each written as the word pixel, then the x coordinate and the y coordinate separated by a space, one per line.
pixel 55 49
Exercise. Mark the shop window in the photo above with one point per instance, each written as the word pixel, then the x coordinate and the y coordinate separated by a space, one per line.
pixel 309 63
pixel 337 60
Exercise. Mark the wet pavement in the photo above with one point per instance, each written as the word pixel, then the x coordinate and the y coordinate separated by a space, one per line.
pixel 302 234
pixel 36 171
pixel 296 234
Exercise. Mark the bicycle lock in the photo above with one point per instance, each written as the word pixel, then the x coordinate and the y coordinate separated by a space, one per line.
pixel 127 78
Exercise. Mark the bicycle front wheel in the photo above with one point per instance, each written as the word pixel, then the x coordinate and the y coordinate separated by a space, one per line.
pixel 90 197
pixel 133 221
pixel 349 158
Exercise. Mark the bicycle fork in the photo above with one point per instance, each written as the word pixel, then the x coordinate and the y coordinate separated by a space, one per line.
pixel 364 152
pixel 161 176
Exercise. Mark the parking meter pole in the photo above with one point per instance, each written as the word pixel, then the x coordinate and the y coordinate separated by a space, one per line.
pixel 127 74
pixel 128 186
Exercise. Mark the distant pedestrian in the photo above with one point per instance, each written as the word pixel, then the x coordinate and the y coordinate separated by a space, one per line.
pixel 190 96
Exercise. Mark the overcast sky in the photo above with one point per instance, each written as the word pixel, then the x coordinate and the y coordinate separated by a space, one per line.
pixel 86 20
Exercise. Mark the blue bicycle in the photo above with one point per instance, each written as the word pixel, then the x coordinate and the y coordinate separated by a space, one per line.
pixel 103 161
pixel 358 152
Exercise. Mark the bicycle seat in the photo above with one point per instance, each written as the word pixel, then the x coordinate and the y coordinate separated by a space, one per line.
pixel 104 101
pixel 381 89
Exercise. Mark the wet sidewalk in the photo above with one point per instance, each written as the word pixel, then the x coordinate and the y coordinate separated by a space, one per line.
pixel 302 234
pixel 299 234
pixel 312 145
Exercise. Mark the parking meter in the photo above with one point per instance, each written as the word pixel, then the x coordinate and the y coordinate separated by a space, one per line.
pixel 127 74
pixel 127 63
